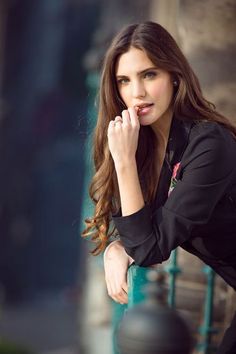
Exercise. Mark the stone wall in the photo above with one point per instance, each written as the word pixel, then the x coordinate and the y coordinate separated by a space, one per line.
pixel 206 31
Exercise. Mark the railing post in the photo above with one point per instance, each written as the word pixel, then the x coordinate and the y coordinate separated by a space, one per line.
pixel 152 327
pixel 118 312
pixel 136 280
pixel 172 269
pixel 206 330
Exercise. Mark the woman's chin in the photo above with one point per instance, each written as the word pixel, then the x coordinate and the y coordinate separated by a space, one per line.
pixel 145 120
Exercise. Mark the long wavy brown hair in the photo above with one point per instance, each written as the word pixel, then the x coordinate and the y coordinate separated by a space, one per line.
pixel 188 104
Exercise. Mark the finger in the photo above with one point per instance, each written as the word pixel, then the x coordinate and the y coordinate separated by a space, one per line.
pixel 124 300
pixel 111 124
pixel 133 116
pixel 122 297
pixel 122 292
pixel 126 117
pixel 118 294
pixel 118 123
pixel 125 287
pixel 119 298
pixel 118 119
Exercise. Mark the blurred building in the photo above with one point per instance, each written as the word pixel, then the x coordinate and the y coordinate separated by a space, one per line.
pixel 43 127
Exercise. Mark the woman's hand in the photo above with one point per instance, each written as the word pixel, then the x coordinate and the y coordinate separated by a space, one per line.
pixel 116 263
pixel 123 135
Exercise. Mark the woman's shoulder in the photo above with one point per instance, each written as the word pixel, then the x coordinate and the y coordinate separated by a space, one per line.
pixel 210 141
pixel 212 131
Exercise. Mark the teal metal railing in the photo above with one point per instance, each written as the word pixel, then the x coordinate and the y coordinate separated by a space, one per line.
pixel 206 330
pixel 173 270
pixel 137 279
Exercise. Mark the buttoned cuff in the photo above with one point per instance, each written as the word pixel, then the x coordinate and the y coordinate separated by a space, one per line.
pixel 134 229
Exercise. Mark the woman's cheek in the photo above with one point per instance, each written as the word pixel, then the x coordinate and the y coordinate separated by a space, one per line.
pixel 163 88
pixel 124 94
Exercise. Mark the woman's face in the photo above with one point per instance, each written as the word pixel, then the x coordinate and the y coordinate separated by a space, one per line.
pixel 143 85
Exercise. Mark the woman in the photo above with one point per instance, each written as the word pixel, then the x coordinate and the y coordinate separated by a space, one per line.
pixel 165 164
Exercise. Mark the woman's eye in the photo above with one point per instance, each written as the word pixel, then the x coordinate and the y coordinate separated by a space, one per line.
pixel 122 81
pixel 150 74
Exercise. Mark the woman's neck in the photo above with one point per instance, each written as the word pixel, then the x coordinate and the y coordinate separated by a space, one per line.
pixel 161 129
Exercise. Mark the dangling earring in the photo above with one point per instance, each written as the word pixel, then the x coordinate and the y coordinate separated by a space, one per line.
pixel 175 83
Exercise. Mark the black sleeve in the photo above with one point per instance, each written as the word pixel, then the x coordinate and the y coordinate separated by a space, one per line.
pixel 206 171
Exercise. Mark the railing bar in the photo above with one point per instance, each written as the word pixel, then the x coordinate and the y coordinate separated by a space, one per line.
pixel 173 269
pixel 206 329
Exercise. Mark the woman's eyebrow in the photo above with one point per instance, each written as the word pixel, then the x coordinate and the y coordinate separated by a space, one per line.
pixel 140 72
pixel 151 68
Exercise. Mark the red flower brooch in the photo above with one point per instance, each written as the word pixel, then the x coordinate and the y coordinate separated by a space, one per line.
pixel 173 180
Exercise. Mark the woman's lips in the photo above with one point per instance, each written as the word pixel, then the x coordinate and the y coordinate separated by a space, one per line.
pixel 144 110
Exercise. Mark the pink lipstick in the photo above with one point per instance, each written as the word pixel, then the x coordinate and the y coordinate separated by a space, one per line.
pixel 144 109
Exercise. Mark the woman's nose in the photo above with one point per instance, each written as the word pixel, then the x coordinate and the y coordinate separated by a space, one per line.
pixel 138 90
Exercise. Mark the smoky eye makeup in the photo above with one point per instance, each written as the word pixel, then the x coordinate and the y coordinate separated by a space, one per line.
pixel 147 73
pixel 150 74
pixel 122 80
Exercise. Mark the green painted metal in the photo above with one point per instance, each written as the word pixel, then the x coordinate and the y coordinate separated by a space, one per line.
pixel 206 329
pixel 118 312
pixel 137 278
pixel 173 270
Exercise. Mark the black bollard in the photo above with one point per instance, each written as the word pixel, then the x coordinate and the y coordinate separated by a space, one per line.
pixel 153 328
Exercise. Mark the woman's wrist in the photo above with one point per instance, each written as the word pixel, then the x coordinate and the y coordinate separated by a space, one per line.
pixel 115 246
pixel 125 165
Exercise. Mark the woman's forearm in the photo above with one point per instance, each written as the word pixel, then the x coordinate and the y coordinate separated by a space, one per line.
pixel 129 186
pixel 116 263
pixel 123 134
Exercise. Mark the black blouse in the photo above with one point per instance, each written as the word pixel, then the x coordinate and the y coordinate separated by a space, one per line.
pixel 198 211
